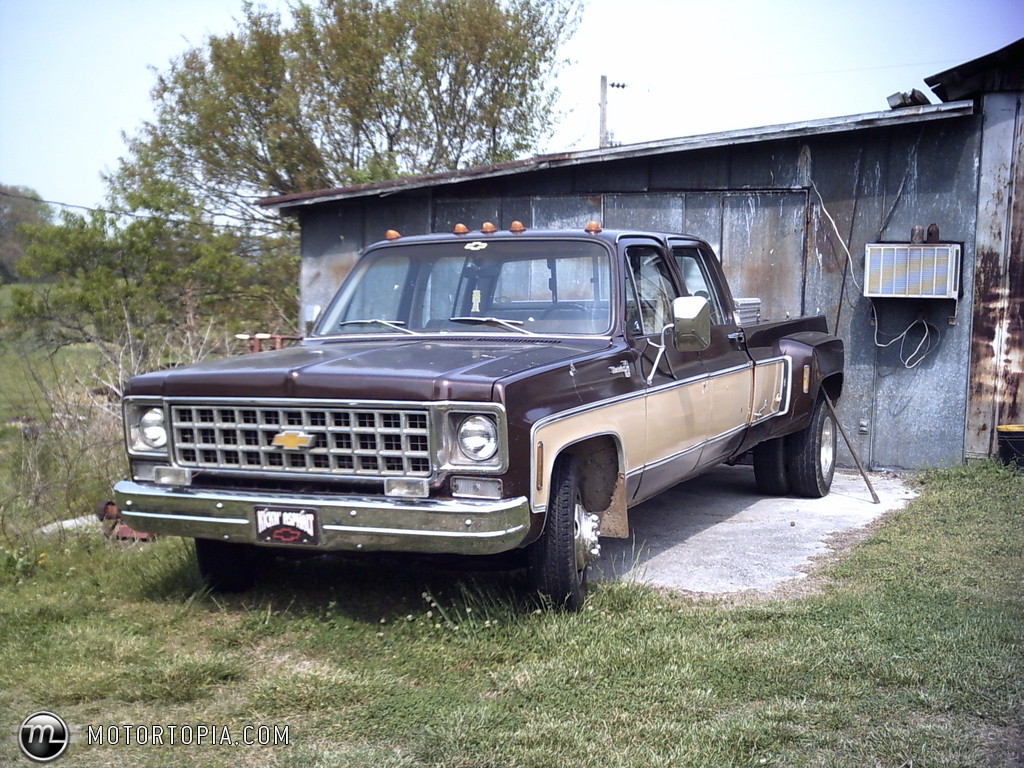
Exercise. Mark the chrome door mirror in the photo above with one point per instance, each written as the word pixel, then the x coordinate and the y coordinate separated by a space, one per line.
pixel 692 318
pixel 310 314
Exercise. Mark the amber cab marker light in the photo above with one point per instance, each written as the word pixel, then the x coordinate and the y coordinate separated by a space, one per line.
pixel 593 227
pixel 517 227
pixel 461 229
pixel 392 234
pixel 488 228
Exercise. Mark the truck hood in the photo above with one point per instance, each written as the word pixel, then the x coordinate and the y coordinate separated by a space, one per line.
pixel 419 369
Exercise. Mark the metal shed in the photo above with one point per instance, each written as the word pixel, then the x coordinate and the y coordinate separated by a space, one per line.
pixel 792 210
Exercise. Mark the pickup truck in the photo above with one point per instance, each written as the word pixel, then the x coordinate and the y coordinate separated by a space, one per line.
pixel 479 393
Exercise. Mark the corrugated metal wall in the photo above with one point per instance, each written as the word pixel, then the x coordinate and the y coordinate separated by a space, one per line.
pixel 997 355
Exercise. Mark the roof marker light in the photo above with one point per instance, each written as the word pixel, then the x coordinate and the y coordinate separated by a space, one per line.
pixel 593 227
pixel 517 227
pixel 392 234
pixel 488 228
pixel 461 229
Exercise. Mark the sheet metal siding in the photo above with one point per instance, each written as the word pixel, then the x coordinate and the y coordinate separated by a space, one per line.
pixel 757 206
pixel 919 412
pixel 997 355
pixel 877 190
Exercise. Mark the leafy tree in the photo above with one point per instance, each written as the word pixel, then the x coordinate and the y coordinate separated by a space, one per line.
pixel 349 91
pixel 18 206
pixel 150 290
pixel 353 91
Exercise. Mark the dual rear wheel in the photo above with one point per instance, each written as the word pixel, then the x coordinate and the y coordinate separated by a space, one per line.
pixel 803 463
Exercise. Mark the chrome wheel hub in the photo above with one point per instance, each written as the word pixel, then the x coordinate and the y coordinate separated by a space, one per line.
pixel 828 446
pixel 586 530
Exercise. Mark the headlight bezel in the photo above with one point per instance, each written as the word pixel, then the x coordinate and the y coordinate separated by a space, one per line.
pixel 481 419
pixel 146 428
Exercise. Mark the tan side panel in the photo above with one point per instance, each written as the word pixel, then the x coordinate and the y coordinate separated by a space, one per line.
pixel 769 387
pixel 664 423
pixel 729 401
pixel 677 420
pixel 625 418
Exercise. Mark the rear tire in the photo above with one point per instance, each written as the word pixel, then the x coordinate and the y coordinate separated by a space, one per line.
pixel 559 559
pixel 770 472
pixel 812 454
pixel 226 566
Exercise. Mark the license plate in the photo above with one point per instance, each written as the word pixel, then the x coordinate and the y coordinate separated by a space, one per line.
pixel 287 525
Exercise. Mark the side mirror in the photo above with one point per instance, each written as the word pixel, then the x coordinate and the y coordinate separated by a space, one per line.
pixel 692 318
pixel 310 314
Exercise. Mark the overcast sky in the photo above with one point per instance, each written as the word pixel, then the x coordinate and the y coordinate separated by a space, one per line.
pixel 75 74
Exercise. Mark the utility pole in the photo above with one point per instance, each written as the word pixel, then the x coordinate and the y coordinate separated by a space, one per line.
pixel 603 130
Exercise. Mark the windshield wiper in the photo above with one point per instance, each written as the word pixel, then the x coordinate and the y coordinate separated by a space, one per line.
pixel 512 325
pixel 394 324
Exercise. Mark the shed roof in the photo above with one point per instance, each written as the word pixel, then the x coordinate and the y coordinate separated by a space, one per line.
pixel 901 116
pixel 1001 70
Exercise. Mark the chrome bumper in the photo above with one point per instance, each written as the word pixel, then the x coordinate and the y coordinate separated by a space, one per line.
pixel 347 522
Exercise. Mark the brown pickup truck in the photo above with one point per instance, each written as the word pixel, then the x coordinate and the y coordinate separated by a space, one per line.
pixel 481 393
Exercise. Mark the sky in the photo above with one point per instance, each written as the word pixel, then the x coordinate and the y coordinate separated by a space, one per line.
pixel 75 75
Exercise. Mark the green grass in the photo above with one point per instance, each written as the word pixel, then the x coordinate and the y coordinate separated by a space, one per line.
pixel 908 653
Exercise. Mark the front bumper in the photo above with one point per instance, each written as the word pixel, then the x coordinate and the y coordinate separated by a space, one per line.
pixel 368 523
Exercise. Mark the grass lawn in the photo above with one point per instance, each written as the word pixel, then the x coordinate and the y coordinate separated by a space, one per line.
pixel 908 653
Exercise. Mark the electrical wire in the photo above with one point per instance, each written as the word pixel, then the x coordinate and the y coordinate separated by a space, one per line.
pixel 835 228
pixel 926 342
pixel 141 216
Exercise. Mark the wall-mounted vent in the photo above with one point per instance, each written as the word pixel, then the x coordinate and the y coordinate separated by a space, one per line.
pixel 913 271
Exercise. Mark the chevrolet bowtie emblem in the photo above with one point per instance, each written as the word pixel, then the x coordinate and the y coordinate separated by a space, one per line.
pixel 292 440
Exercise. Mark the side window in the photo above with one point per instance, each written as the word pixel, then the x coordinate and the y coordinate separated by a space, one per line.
pixel 697 280
pixel 649 309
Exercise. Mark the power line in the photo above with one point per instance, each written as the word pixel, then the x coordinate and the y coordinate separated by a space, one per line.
pixel 141 216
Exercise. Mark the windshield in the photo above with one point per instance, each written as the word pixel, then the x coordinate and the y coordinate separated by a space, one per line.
pixel 476 286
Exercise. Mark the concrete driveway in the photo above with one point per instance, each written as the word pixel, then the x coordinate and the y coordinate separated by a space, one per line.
pixel 717 534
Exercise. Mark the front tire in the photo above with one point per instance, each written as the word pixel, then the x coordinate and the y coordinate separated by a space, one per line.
pixel 226 566
pixel 559 559
pixel 812 454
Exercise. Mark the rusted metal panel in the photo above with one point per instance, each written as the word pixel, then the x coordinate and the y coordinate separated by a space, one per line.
pixel 663 213
pixel 763 237
pixel 752 167
pixel 472 213
pixel 623 176
pixel 702 216
pixel 704 170
pixel 565 212
pixel 997 350
pixel 331 241
pixel 409 215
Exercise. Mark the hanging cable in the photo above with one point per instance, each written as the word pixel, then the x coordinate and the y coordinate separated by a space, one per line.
pixel 924 346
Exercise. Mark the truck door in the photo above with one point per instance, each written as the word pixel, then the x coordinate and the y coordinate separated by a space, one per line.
pixel 676 393
pixel 728 366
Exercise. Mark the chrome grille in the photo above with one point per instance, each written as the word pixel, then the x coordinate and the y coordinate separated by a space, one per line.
pixel 354 441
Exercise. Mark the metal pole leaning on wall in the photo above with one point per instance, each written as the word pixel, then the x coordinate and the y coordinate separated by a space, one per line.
pixel 853 452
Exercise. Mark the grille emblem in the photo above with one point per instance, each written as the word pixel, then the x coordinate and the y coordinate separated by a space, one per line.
pixel 293 439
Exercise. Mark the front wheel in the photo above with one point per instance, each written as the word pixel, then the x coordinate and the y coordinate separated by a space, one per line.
pixel 812 454
pixel 560 557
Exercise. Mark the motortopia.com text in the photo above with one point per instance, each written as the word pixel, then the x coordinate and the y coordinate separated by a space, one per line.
pixel 198 735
